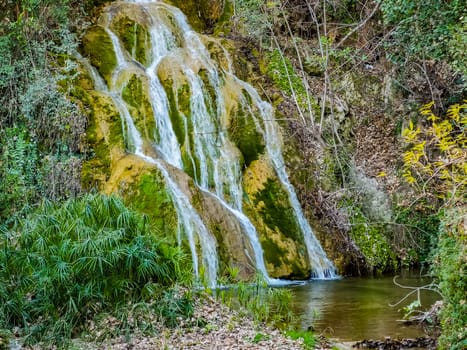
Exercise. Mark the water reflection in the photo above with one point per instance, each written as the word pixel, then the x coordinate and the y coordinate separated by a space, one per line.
pixel 357 308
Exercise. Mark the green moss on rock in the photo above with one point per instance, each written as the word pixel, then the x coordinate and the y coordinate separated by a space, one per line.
pixel 205 15
pixel 372 242
pixel 243 133
pixel 135 94
pixel 179 106
pixel 135 39
pixel 97 46
pixel 276 211
pixel 104 133
pixel 149 196
pixel 281 238
pixel 210 97
pixel 178 95
pixel 277 255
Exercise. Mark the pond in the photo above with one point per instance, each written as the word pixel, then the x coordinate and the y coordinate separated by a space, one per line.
pixel 352 309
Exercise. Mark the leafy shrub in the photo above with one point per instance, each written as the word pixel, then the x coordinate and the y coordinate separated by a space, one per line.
pixel 436 159
pixel 174 305
pixel 430 29
pixel 19 181
pixel 450 266
pixel 255 21
pixel 435 164
pixel 36 110
pixel 65 263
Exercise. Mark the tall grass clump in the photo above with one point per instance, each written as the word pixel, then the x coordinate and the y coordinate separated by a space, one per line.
pixel 259 301
pixel 64 264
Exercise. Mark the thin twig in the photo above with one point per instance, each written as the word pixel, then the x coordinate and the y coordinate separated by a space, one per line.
pixel 430 287
pixel 357 28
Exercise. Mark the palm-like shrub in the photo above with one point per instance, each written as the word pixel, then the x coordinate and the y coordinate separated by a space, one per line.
pixel 65 263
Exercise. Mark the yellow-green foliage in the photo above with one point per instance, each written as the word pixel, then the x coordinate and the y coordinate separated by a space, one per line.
pixel 437 155
pixel 436 161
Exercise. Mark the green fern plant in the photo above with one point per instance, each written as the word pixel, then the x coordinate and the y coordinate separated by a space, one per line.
pixel 18 160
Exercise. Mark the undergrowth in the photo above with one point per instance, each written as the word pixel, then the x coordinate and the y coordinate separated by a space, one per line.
pixel 66 263
pixel 435 164
pixel 309 339
pixel 259 301
pixel 41 126
pixel 450 266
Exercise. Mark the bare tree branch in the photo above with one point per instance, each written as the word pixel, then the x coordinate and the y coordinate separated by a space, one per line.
pixel 357 28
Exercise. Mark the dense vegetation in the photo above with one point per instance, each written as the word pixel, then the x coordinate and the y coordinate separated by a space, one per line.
pixel 66 258
pixel 97 254
pixel 435 163
pixel 66 263
pixel 40 126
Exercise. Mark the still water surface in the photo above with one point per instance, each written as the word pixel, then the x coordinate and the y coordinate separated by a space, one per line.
pixel 358 308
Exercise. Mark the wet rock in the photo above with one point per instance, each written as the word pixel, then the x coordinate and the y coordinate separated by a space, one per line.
pixel 394 344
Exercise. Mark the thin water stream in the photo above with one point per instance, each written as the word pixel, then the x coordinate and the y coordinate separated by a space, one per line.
pixel 353 309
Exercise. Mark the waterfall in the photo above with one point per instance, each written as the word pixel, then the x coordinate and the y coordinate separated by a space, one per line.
pixel 208 154
pixel 323 266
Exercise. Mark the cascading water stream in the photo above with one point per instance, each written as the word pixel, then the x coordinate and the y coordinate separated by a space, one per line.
pixel 215 160
pixel 189 221
pixel 168 145
pixel 323 268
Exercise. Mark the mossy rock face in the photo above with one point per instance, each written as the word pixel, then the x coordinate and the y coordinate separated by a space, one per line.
pixel 149 196
pixel 134 37
pixel 178 93
pixel 210 97
pixel 205 15
pixel 218 50
pixel 135 94
pixel 244 134
pixel 178 96
pixel 233 247
pixel 104 137
pixel 371 241
pixel 97 46
pixel 267 204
